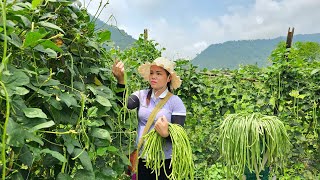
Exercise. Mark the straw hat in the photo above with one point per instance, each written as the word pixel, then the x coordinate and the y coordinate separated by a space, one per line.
pixel 144 70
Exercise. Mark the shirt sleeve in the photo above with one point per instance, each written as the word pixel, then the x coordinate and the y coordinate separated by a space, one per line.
pixel 178 107
pixel 175 119
pixel 133 100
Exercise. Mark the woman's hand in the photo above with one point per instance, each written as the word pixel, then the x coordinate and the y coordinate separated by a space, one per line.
pixel 162 126
pixel 118 71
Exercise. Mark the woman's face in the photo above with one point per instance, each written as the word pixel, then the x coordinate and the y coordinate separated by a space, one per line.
pixel 158 78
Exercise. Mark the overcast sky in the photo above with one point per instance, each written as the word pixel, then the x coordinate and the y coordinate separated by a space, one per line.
pixel 187 27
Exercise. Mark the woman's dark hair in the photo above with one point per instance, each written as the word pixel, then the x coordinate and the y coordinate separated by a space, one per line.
pixel 150 91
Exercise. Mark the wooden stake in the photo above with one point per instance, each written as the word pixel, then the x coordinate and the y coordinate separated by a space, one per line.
pixel 289 38
pixel 145 34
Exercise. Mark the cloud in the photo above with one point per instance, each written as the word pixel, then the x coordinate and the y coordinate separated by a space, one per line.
pixel 187 32
pixel 265 19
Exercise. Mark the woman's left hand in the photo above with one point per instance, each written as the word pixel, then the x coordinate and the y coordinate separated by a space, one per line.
pixel 162 126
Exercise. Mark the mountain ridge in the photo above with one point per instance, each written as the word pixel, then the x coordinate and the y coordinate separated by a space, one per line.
pixel 231 54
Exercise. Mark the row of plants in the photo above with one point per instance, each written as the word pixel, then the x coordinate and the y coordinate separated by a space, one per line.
pixel 59 112
pixel 288 89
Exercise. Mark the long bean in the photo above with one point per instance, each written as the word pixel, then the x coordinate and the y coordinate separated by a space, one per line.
pixel 181 163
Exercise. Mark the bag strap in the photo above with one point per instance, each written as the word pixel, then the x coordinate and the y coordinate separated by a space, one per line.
pixel 151 120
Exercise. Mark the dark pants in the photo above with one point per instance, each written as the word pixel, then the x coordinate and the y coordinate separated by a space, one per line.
pixel 252 176
pixel 145 173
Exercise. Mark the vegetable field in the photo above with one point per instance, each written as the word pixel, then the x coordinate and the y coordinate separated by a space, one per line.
pixel 60 118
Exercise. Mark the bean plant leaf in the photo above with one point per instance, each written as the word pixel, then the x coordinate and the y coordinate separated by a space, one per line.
pixel 51 53
pixel 101 133
pixel 102 151
pixel 103 101
pixel 82 174
pixel 51 45
pixel 314 71
pixel 124 159
pixel 50 25
pixel 21 91
pixel 41 126
pixel 25 20
pixel 36 3
pixel 92 111
pixel 69 99
pixel 34 113
pixel 32 38
pixel 55 154
pixel 25 156
pixel 15 40
pixel 104 36
pixel 84 158
pixel 15 78
pixel 63 176
pixel 16 135
pixel 45 80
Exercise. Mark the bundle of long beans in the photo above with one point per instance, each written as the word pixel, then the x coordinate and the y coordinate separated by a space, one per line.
pixel 181 160
pixel 252 141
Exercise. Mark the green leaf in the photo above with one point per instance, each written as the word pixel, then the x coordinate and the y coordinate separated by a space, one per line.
pixel 51 53
pixel 124 159
pixel 103 101
pixel 15 78
pixel 69 99
pixel 16 135
pixel 63 176
pixel 55 154
pixel 101 133
pixel 45 80
pixel 93 44
pixel 108 171
pixel 21 91
pixel 32 39
pixel 112 149
pixel 25 20
pixel 92 111
pixel 95 122
pixel 50 25
pixel 56 104
pixel 15 40
pixel 84 158
pixel 104 36
pixel 25 156
pixel 41 126
pixel 314 71
pixel 51 45
pixel 34 113
pixel 40 91
pixel 102 151
pixel 17 176
pixel 82 174
pixel 33 137
pixel 36 3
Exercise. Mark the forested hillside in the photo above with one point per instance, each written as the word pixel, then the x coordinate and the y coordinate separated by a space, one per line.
pixel 233 53
pixel 118 36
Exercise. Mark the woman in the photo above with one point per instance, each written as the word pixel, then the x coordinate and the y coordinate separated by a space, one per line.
pixel 162 79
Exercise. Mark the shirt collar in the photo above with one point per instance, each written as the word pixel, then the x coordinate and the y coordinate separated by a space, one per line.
pixel 165 92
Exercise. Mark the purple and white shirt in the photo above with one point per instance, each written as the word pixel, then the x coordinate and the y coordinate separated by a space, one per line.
pixel 174 106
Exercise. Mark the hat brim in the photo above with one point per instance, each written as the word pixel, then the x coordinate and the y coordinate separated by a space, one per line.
pixel 144 71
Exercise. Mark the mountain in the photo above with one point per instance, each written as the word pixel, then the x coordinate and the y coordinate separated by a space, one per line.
pixel 118 36
pixel 231 54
